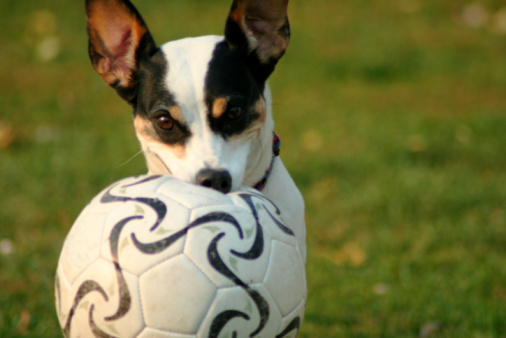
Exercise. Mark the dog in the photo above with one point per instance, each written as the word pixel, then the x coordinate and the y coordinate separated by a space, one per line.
pixel 202 107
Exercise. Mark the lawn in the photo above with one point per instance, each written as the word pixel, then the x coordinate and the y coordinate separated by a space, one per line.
pixel 392 116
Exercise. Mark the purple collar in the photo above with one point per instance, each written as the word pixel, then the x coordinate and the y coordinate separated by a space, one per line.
pixel 275 153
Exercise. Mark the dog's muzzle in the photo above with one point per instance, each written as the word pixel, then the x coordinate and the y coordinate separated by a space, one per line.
pixel 215 179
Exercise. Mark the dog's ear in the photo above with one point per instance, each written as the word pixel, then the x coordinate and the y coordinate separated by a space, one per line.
pixel 260 29
pixel 118 38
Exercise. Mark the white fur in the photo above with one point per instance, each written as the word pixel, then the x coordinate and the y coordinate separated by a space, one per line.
pixel 244 157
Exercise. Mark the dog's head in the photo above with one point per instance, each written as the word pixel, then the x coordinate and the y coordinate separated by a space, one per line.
pixel 202 109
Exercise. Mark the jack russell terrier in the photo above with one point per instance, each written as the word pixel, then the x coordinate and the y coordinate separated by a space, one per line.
pixel 202 108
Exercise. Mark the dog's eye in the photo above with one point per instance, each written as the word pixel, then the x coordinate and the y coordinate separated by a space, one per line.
pixel 234 113
pixel 165 122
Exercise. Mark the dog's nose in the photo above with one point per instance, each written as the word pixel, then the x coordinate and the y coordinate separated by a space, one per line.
pixel 215 179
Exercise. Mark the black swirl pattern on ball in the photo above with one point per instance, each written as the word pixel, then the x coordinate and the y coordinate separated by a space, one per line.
pixel 280 224
pixel 124 298
pixel 158 206
pixel 161 245
pixel 222 319
pixel 214 258
pixel 86 288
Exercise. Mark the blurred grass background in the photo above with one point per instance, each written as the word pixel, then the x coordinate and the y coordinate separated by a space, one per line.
pixel 393 121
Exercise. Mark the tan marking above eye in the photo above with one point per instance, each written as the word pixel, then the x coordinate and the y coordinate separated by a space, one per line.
pixel 219 107
pixel 176 114
pixel 261 109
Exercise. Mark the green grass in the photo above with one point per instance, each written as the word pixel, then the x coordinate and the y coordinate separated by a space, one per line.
pixel 393 121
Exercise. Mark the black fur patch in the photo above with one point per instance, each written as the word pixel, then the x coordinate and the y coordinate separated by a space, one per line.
pixel 153 99
pixel 230 76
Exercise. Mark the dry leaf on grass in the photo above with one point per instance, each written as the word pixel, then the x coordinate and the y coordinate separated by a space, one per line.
pixel 6 136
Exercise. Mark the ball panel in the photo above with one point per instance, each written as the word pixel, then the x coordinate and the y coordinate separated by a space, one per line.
pixel 285 278
pixel 175 295
pixel 81 246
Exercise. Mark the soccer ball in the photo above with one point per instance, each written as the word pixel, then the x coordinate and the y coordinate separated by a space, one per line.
pixel 152 256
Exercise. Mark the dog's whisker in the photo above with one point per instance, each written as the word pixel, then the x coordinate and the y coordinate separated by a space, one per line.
pixel 130 159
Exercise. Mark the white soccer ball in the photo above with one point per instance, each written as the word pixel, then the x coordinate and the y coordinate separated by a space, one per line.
pixel 152 256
